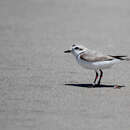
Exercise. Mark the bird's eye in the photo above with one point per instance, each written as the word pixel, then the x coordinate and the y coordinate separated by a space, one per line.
pixel 80 49
pixel 76 48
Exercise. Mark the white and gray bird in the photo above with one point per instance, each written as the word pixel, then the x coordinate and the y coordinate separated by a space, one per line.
pixel 95 61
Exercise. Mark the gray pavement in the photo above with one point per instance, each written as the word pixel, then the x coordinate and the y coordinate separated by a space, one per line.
pixel 34 71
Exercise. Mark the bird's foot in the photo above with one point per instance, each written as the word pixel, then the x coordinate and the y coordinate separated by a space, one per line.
pixel 99 84
pixel 94 85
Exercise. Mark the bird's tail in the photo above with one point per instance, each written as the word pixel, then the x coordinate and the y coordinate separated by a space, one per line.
pixel 126 58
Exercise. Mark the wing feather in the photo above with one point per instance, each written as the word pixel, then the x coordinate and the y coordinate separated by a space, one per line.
pixel 92 58
pixel 120 57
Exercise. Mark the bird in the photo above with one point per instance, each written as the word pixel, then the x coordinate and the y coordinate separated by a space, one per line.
pixel 93 60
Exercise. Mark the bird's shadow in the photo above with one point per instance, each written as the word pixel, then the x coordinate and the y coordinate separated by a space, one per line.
pixel 92 86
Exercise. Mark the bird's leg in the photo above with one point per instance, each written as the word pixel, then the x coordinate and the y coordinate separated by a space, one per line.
pixel 101 75
pixel 94 82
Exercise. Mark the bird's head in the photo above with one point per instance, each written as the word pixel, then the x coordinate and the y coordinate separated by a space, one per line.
pixel 76 49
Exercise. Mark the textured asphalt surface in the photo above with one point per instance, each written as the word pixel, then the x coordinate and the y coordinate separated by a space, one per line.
pixel 41 88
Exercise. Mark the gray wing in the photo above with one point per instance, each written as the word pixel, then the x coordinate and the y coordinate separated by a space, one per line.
pixel 94 58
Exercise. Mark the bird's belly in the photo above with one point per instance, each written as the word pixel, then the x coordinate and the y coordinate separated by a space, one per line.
pixel 96 65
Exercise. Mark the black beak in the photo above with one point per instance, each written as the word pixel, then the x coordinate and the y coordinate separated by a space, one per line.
pixel 68 51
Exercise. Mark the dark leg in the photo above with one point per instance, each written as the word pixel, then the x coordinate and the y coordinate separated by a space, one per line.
pixel 101 75
pixel 95 78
